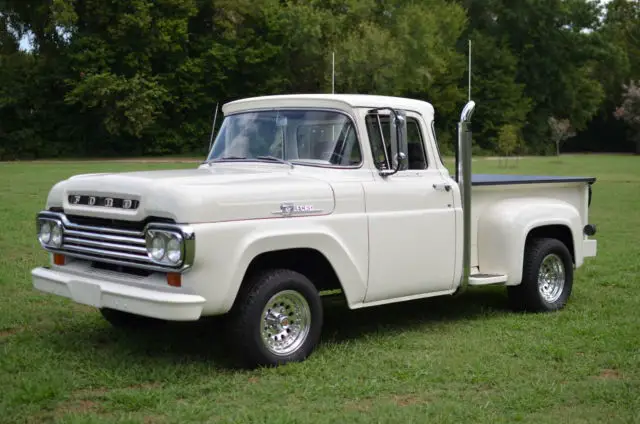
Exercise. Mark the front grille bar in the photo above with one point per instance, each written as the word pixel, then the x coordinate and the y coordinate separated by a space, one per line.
pixel 99 244
pixel 105 237
pixel 108 253
pixel 101 229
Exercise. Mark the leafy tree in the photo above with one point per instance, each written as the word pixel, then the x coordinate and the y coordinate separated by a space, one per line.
pixel 557 47
pixel 143 76
pixel 622 25
pixel 502 103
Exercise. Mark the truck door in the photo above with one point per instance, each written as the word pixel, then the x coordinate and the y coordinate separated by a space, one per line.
pixel 411 217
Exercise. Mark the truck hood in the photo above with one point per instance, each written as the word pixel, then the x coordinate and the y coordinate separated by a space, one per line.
pixel 207 194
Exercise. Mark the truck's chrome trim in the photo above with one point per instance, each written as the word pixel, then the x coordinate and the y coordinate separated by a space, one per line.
pixel 463 177
pixel 147 267
pixel 69 224
pixel 467 112
pixel 99 244
pixel 107 253
pixel 105 237
pixel 117 246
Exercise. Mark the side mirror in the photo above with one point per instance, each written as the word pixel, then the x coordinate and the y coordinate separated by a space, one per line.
pixel 398 143
pixel 401 137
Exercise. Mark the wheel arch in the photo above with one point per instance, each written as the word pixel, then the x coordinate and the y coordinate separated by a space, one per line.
pixel 560 232
pixel 307 261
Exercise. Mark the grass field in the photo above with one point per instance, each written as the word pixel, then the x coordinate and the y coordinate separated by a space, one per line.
pixel 439 360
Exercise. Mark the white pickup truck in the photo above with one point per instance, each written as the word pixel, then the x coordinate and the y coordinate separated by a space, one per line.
pixel 304 194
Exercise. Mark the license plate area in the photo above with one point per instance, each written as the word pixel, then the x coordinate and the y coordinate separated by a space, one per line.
pixel 86 293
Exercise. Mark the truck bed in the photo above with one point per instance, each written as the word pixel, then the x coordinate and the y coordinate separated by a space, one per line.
pixel 498 179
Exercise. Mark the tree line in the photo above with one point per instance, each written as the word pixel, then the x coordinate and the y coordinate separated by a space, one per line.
pixel 143 77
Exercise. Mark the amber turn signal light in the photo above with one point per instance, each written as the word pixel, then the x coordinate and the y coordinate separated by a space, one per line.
pixel 58 259
pixel 174 279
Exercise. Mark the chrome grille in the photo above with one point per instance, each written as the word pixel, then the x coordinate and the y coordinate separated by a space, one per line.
pixel 105 242
pixel 109 243
pixel 106 245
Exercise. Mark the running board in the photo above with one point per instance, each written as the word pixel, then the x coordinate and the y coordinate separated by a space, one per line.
pixel 484 279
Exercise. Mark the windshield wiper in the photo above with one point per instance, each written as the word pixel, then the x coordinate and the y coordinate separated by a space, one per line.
pixel 223 158
pixel 259 158
pixel 275 159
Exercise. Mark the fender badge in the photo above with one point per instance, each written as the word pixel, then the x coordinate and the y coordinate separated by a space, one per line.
pixel 290 209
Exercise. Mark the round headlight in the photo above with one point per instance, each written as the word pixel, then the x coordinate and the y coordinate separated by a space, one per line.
pixel 158 247
pixel 174 250
pixel 45 232
pixel 56 235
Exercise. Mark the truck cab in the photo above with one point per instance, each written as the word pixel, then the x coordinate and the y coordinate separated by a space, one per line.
pixel 304 194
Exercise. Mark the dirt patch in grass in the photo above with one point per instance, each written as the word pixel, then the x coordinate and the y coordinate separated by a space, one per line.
pixel 407 400
pixel 10 332
pixel 609 374
pixel 152 385
pixel 360 405
pixel 88 400
pixel 79 406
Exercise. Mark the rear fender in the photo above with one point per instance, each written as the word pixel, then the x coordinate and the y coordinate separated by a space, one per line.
pixel 504 226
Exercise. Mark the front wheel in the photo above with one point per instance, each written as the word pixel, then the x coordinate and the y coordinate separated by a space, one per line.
pixel 547 277
pixel 277 319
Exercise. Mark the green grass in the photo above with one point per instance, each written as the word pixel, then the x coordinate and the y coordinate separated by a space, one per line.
pixel 439 360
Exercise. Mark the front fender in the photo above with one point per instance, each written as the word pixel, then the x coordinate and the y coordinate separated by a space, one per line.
pixel 503 228
pixel 343 259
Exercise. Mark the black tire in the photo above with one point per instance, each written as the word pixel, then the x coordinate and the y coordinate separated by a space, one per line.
pixel 528 296
pixel 246 322
pixel 125 320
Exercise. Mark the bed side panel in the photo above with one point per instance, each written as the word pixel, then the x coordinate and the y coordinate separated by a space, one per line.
pixel 485 196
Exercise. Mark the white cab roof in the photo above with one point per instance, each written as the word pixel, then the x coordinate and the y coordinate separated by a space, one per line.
pixel 339 101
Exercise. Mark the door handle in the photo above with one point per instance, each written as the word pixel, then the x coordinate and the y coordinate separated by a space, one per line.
pixel 442 187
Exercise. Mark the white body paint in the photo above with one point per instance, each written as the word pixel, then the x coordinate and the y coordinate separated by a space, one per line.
pixel 388 239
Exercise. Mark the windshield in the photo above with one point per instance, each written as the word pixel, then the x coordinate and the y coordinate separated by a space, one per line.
pixel 299 136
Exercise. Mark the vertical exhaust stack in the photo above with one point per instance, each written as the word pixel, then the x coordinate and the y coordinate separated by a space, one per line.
pixel 463 178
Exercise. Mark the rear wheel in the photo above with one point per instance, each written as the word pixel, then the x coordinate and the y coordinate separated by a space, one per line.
pixel 277 319
pixel 547 277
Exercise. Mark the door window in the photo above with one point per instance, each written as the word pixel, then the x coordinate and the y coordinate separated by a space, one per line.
pixel 379 131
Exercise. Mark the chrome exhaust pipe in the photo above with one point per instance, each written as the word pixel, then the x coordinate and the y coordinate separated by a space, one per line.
pixel 463 178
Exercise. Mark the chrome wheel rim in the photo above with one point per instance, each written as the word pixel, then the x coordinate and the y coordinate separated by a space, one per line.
pixel 286 322
pixel 551 278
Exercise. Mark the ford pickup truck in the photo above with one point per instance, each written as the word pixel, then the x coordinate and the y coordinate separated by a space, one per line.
pixel 302 195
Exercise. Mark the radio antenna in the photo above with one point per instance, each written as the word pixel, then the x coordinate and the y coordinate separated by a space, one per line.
pixel 469 69
pixel 213 127
pixel 333 72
